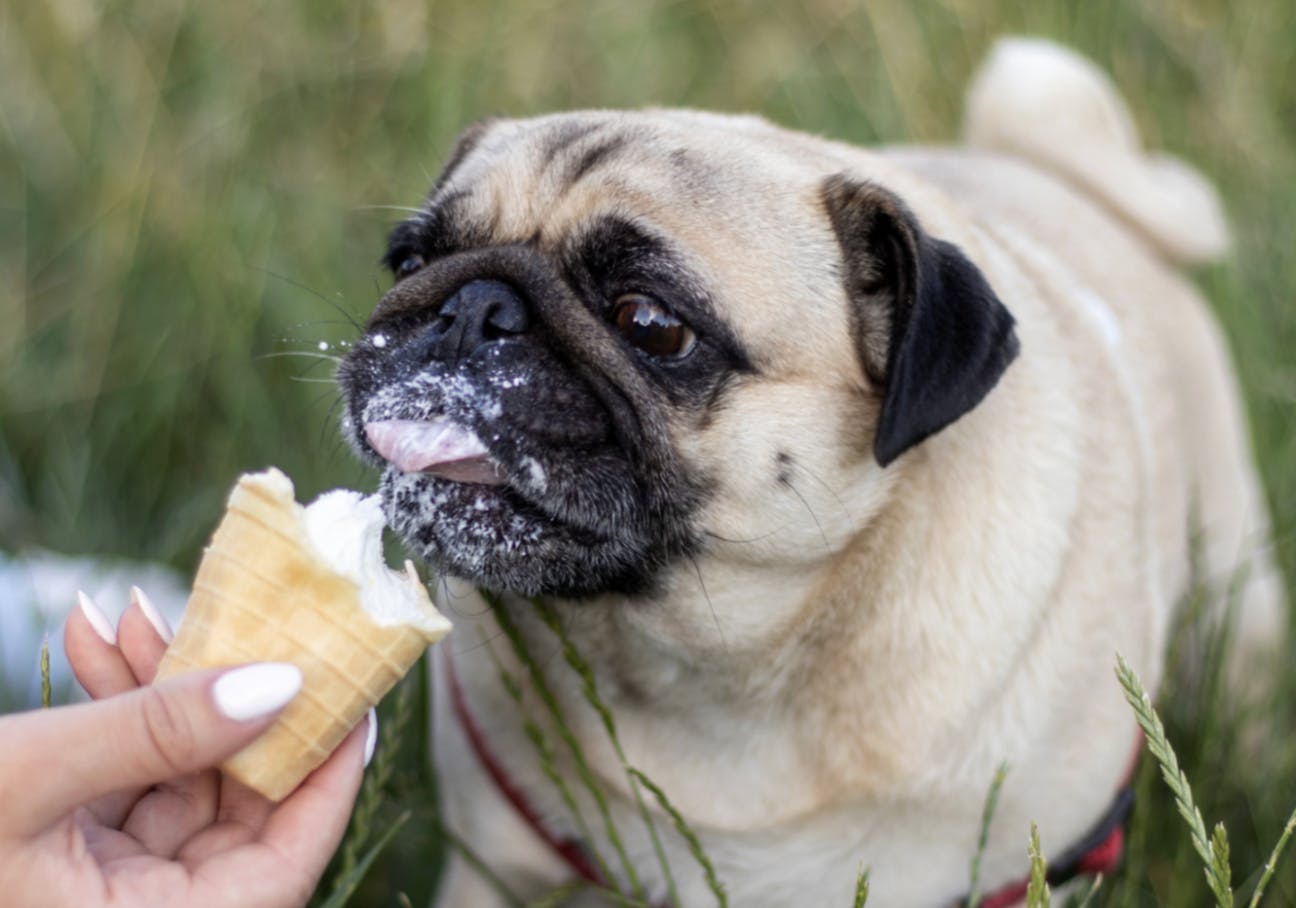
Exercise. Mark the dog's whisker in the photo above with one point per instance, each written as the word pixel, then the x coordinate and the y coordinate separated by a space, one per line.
pixel 337 398
pixel 751 541
pixel 824 485
pixel 302 354
pixel 697 569
pixel 311 323
pixel 315 293
pixel 485 642
pixel 321 361
pixel 787 483
pixel 403 208
pixel 338 441
pixel 546 661
pixel 337 451
pixel 443 584
pixel 466 606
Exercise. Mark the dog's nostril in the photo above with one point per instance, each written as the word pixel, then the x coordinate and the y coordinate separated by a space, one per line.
pixel 477 313
pixel 504 311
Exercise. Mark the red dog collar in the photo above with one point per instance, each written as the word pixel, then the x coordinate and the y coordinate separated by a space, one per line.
pixel 1099 851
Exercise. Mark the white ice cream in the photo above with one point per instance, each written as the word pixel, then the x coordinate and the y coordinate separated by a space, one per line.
pixel 345 530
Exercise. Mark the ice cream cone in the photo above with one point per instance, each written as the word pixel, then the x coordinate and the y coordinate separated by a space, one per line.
pixel 262 593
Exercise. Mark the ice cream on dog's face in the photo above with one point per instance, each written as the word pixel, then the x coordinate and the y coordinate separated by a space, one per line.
pixel 283 583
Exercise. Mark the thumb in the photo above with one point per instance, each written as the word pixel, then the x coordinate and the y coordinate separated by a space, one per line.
pixel 62 758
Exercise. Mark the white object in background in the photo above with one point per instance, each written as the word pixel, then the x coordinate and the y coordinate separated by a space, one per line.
pixel 37 591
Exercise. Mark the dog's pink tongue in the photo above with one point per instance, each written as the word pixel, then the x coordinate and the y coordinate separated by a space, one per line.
pixel 437 446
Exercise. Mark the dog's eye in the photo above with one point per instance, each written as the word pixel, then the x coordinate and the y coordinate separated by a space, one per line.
pixel 409 265
pixel 651 327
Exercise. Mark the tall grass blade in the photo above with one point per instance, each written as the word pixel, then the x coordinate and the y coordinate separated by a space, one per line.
pixel 583 771
pixel 1037 890
pixel 46 692
pixel 477 863
pixel 983 837
pixel 590 689
pixel 1220 869
pixel 370 800
pixel 1083 901
pixel 1272 862
pixel 861 888
pixel 350 881
pixel 558 897
pixel 1214 864
pixel 694 845
pixel 567 893
pixel 545 754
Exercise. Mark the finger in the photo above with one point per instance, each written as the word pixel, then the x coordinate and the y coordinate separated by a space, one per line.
pixel 244 813
pixel 104 843
pixel 195 836
pixel 142 636
pixel 150 735
pixel 170 814
pixel 285 865
pixel 102 671
pixel 91 647
pixel 308 826
pixel 244 807
pixel 108 662
pixel 250 876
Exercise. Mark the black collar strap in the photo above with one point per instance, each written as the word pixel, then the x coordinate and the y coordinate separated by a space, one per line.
pixel 1099 851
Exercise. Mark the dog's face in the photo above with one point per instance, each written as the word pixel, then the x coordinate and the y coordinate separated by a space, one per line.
pixel 617 343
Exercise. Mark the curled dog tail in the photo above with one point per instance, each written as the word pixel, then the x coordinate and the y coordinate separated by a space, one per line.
pixel 1039 101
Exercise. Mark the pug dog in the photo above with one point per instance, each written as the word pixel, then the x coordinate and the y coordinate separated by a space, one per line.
pixel 847 473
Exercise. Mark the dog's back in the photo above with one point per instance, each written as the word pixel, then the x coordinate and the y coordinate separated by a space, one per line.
pixel 1052 149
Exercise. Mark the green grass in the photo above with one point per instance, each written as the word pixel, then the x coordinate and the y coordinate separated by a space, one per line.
pixel 189 191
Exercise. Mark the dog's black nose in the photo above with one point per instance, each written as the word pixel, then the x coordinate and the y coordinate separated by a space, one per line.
pixel 479 312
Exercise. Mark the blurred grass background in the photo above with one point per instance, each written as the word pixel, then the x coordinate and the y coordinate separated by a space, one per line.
pixel 190 190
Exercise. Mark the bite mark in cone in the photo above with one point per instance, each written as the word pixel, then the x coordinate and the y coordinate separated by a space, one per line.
pixel 262 593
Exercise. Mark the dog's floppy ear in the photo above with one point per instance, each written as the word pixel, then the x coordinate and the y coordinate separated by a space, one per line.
pixel 928 328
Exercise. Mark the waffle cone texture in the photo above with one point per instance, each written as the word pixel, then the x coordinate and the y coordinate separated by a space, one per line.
pixel 262 595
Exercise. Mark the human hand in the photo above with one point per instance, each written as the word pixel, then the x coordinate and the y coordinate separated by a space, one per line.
pixel 114 803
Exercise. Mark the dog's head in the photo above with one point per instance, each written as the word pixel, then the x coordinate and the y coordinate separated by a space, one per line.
pixel 617 340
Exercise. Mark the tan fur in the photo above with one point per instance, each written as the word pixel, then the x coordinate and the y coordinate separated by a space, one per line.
pixel 834 681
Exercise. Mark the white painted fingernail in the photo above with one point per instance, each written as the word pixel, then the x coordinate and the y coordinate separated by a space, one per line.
pixel 98 620
pixel 152 614
pixel 254 690
pixel 371 736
